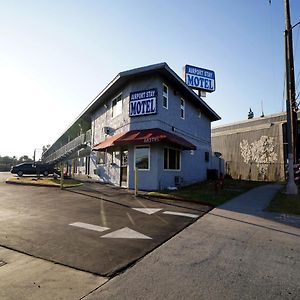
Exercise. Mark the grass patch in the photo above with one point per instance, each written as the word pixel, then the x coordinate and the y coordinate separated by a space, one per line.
pixel 43 181
pixel 206 192
pixel 282 203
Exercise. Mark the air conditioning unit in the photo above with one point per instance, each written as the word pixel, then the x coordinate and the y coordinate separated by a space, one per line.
pixel 106 130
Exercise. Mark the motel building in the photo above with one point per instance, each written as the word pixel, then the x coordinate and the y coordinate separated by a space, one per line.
pixel 147 119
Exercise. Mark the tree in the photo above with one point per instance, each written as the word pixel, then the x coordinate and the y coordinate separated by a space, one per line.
pixel 24 158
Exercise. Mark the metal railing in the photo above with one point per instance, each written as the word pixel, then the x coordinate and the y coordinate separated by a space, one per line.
pixel 67 150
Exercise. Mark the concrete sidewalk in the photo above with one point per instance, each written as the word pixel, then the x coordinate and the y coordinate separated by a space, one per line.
pixel 236 251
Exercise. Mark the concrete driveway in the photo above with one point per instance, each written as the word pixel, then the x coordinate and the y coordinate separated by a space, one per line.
pixel 94 228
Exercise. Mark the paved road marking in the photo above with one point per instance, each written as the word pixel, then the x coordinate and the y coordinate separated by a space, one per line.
pixel 89 226
pixel 126 233
pixel 148 211
pixel 180 214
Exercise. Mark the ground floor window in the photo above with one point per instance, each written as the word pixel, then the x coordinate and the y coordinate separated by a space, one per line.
pixel 115 157
pixel 101 157
pixel 171 159
pixel 142 157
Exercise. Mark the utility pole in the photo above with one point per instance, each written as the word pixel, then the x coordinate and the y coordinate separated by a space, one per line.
pixel 291 113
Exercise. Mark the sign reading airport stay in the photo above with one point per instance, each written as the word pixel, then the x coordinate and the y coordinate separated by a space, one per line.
pixel 142 103
pixel 199 78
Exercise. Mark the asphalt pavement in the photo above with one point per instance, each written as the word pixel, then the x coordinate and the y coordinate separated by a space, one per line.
pixel 97 228
pixel 233 252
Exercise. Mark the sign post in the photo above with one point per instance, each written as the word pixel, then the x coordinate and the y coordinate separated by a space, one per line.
pixel 136 181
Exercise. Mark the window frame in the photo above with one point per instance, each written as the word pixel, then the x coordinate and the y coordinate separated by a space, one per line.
pixel 115 157
pixel 182 108
pixel 112 105
pixel 165 96
pixel 168 162
pixel 104 153
pixel 149 157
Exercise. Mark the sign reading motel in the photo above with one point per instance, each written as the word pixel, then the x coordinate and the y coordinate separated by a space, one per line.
pixel 199 78
pixel 142 103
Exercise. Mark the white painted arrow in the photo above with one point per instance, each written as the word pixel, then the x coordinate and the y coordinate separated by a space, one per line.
pixel 126 233
pixel 174 213
pixel 148 211
pixel 89 226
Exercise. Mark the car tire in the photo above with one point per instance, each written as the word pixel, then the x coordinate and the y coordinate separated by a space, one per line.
pixel 46 173
pixel 20 173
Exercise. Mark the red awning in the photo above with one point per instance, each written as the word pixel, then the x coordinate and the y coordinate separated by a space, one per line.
pixel 107 143
pixel 146 136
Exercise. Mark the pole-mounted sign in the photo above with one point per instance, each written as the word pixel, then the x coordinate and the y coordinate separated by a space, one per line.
pixel 199 78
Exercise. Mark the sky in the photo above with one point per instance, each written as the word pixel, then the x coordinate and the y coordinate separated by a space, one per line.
pixel 56 56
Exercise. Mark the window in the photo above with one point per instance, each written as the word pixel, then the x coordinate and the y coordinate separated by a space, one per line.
pixel 101 157
pixel 182 108
pixel 115 157
pixel 116 106
pixel 171 159
pixel 165 96
pixel 142 158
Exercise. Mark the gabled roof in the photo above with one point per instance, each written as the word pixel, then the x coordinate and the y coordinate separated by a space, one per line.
pixel 123 77
pixel 162 69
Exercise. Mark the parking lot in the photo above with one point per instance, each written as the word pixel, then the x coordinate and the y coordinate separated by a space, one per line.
pixel 95 228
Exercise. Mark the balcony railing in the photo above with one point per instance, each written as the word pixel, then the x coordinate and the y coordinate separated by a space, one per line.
pixel 69 149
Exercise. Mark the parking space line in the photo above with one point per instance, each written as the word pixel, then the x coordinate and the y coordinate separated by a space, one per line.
pixel 89 226
pixel 148 211
pixel 126 233
pixel 180 214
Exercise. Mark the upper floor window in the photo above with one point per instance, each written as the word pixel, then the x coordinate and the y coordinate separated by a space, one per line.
pixel 182 108
pixel 116 106
pixel 165 96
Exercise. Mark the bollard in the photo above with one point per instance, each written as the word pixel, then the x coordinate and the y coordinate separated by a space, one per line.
pixel 136 180
pixel 61 176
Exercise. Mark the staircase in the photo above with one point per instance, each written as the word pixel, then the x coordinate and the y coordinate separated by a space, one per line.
pixel 69 150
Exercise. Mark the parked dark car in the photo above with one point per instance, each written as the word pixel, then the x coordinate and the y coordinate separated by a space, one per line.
pixel 30 168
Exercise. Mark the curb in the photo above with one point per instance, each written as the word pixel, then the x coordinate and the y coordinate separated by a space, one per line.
pixel 178 199
pixel 40 184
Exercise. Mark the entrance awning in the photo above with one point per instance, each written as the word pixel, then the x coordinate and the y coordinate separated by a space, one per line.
pixel 146 136
pixel 108 142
